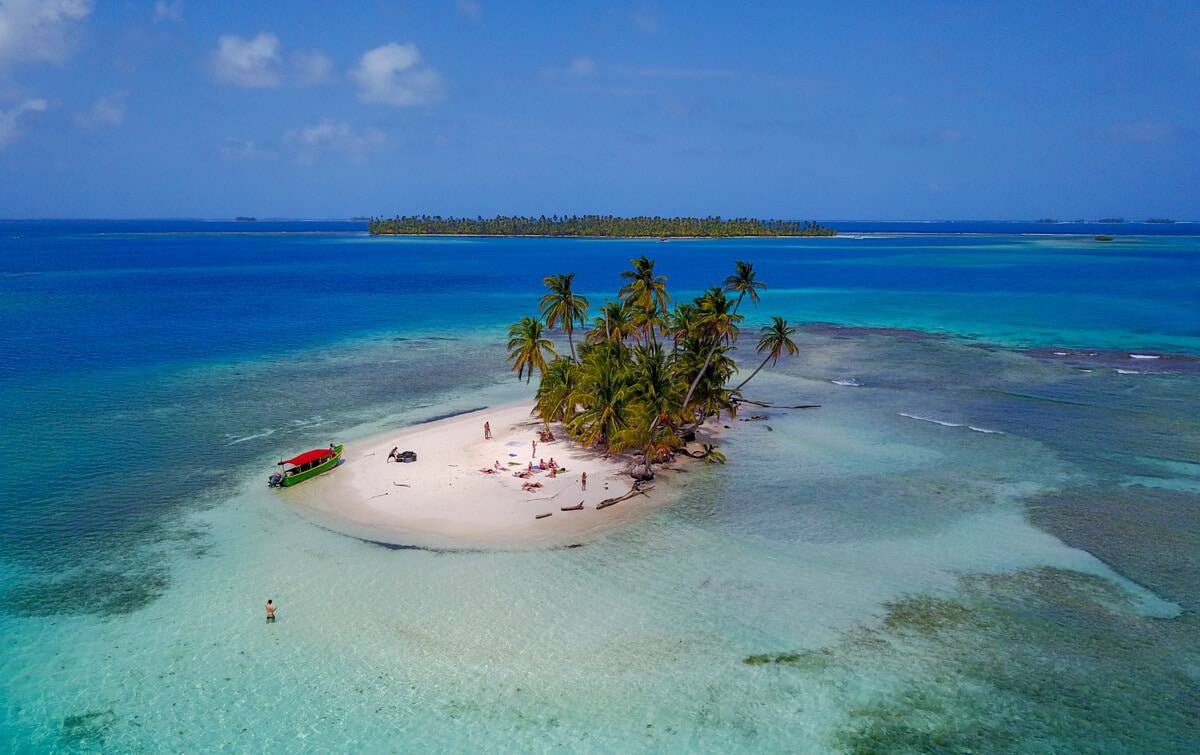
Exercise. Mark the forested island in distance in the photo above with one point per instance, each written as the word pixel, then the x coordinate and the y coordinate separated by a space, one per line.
pixel 593 226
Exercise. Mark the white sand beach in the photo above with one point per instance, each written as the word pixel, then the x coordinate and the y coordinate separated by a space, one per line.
pixel 444 499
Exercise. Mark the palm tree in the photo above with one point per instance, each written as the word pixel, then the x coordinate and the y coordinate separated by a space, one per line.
pixel 645 293
pixel 615 323
pixel 711 455
pixel 526 345
pixel 744 282
pixel 602 390
pixel 553 402
pixel 720 323
pixel 684 322
pixel 563 305
pixel 776 338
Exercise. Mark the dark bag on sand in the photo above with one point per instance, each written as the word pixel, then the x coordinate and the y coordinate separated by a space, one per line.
pixel 406 456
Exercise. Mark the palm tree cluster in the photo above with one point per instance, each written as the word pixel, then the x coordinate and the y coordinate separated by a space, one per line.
pixel 647 374
pixel 594 225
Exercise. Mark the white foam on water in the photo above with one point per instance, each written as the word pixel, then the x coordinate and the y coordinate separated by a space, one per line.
pixel 945 423
pixel 850 382
pixel 1128 372
pixel 1144 356
pixel 263 434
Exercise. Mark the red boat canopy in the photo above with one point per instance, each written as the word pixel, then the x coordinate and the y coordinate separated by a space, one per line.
pixel 307 456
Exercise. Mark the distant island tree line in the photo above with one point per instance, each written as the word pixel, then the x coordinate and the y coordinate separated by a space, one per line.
pixel 593 226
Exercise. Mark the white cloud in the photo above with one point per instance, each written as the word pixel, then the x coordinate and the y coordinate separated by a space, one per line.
pixel 33 30
pixel 580 66
pixel 258 62
pixel 168 10
pixel 105 112
pixel 248 62
pixel 469 9
pixel 330 136
pixel 310 68
pixel 10 117
pixel 243 149
pixel 392 75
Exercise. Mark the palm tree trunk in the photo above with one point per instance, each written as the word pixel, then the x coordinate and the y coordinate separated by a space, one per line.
pixel 752 374
pixel 708 359
pixel 571 342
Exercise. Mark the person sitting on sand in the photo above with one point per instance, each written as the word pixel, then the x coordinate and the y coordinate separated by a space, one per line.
pixel 270 611
pixel 541 463
pixel 553 463
pixel 496 465
pixel 529 468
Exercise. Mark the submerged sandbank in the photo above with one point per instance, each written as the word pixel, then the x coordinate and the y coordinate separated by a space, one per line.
pixel 446 500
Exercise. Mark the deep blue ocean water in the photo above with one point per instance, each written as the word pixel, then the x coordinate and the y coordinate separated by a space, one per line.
pixel 149 370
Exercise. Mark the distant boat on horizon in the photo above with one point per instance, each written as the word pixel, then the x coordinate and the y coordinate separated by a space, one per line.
pixel 245 219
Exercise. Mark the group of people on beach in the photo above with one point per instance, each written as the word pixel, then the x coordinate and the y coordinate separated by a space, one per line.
pixel 553 466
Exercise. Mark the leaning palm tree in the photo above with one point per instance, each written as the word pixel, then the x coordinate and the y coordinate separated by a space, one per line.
pixel 720 322
pixel 645 292
pixel 526 347
pixel 776 338
pixel 563 305
pixel 744 283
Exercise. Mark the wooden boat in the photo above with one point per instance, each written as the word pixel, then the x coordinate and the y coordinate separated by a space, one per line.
pixel 306 465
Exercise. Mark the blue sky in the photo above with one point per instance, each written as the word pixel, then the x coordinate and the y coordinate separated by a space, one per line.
pixel 863 110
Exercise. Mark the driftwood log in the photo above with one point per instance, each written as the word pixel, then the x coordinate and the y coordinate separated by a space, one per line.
pixel 637 489
pixel 774 406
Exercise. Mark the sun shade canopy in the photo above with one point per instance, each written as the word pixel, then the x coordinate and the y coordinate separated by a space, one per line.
pixel 307 456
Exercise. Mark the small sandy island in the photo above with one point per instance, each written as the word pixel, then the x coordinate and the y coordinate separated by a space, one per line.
pixel 446 500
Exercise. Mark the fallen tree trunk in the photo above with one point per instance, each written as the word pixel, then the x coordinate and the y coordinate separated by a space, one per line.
pixel 765 405
pixel 637 490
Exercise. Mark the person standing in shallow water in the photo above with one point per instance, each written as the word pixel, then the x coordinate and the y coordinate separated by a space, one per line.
pixel 270 611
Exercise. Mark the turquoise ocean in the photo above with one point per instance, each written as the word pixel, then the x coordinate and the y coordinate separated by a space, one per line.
pixel 987 538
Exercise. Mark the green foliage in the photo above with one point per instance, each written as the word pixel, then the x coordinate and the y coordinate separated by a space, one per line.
pixel 563 305
pixel 527 347
pixel 774 340
pixel 594 225
pixel 645 375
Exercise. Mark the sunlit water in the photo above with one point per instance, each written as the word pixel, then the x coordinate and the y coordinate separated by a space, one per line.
pixel 984 539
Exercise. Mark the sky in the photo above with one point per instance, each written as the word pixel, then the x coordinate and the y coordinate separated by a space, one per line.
pixel 898 110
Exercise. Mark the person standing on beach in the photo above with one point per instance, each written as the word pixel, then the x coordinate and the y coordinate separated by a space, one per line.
pixel 583 480
pixel 533 453
pixel 487 430
pixel 270 611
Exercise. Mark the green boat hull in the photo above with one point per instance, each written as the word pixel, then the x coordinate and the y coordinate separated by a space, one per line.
pixel 295 479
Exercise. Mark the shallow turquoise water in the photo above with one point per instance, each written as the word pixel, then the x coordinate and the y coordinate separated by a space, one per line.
pixel 894 557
